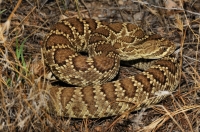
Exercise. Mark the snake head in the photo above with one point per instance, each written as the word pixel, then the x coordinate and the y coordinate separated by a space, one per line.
pixel 150 49
pixel 155 49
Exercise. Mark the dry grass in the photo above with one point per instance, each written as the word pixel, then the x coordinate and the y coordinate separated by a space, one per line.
pixel 22 98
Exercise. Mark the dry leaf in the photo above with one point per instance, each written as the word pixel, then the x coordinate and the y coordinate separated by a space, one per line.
pixel 170 4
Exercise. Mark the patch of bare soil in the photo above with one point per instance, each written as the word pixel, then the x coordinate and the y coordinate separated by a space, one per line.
pixel 24 25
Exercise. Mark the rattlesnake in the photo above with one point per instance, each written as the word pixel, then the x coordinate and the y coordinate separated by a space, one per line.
pixel 105 44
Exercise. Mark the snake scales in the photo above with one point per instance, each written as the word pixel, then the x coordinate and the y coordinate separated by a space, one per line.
pixel 105 44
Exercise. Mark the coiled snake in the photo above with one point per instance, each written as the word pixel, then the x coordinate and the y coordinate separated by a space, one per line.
pixel 106 44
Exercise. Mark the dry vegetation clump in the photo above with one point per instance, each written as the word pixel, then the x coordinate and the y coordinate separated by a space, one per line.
pixel 22 94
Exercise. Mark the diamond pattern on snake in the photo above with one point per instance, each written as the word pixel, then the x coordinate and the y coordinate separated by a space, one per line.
pixel 95 94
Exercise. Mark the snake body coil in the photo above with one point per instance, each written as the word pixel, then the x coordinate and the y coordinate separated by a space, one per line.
pixel 106 44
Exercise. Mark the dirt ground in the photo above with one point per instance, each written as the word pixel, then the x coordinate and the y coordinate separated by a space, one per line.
pixel 23 29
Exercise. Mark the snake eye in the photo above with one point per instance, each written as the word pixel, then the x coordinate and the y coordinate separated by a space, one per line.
pixel 164 48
